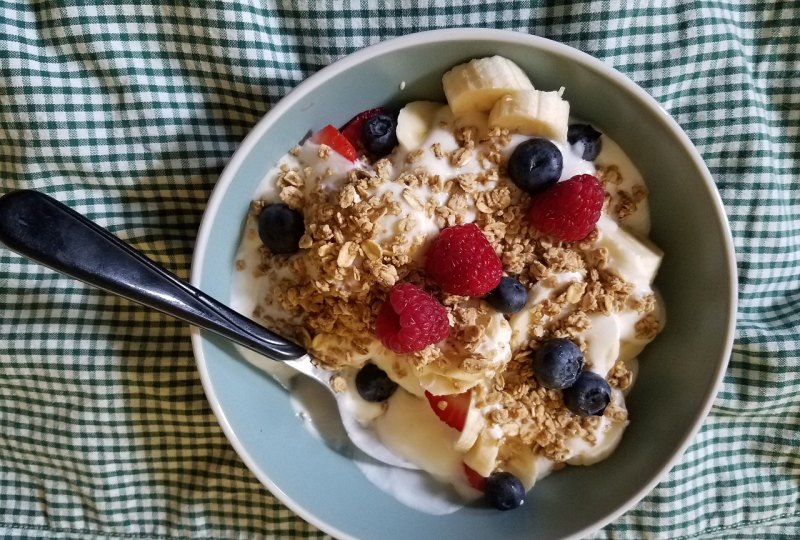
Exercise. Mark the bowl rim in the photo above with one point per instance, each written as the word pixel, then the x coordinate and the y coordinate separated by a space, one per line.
pixel 443 36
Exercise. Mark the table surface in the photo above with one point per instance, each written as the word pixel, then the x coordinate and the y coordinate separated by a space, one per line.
pixel 129 112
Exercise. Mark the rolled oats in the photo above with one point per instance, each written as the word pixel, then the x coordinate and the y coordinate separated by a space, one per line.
pixel 345 242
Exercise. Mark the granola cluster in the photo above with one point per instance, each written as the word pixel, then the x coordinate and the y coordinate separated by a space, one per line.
pixel 360 241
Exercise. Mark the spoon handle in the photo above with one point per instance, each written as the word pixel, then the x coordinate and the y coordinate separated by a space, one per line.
pixel 50 233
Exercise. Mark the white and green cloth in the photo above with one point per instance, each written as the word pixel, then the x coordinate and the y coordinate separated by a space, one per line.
pixel 128 112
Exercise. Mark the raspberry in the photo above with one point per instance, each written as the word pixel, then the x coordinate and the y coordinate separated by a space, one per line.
pixel 570 209
pixel 411 319
pixel 461 261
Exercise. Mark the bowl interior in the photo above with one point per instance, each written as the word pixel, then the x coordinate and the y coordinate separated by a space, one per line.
pixel 679 372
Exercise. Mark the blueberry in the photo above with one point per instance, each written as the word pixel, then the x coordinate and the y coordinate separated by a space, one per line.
pixel 379 135
pixel 280 228
pixel 373 384
pixel 504 491
pixel 588 136
pixel 535 165
pixel 589 396
pixel 508 297
pixel 557 363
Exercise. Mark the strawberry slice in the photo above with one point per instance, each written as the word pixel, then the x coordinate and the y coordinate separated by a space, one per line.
pixel 473 478
pixel 330 136
pixel 353 128
pixel 451 409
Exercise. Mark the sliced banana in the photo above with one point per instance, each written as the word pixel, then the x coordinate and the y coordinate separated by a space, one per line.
pixel 413 431
pixel 473 426
pixel 608 433
pixel 447 376
pixel 635 259
pixel 482 457
pixel 630 349
pixel 630 343
pixel 440 384
pixel 479 121
pixel 415 121
pixel 397 368
pixel 478 84
pixel 532 112
pixel 602 343
pixel 524 465
pixel 521 321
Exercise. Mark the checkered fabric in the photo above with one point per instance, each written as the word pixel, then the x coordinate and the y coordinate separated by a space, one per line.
pixel 128 111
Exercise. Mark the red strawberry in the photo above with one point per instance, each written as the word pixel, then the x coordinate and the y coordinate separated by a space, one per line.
pixel 330 136
pixel 473 478
pixel 462 261
pixel 568 210
pixel 353 128
pixel 451 409
pixel 411 319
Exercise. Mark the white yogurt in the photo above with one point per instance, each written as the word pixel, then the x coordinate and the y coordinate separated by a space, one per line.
pixel 409 427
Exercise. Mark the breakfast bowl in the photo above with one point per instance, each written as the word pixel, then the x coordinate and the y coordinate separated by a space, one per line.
pixel 680 371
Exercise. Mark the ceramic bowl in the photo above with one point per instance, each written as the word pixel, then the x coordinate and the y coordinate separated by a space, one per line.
pixel 679 372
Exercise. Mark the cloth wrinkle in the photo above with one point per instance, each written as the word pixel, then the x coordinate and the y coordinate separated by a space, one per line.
pixel 128 113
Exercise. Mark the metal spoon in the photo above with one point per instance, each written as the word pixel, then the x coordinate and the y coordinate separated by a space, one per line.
pixel 52 234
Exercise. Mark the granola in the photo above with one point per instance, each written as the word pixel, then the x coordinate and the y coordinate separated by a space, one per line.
pixel 367 228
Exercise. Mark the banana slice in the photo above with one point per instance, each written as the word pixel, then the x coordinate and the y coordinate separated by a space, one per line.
pixel 448 376
pixel 482 457
pixel 524 465
pixel 479 121
pixel 473 426
pixel 608 433
pixel 415 121
pixel 396 367
pixel 532 112
pixel 628 350
pixel 636 260
pixel 602 343
pixel 478 84
pixel 440 384
pixel 413 431
pixel 630 344
pixel 521 321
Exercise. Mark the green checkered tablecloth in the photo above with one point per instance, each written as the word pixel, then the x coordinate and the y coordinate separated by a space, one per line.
pixel 128 112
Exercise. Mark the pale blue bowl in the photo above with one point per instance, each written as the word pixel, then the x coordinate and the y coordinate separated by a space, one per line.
pixel 680 371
